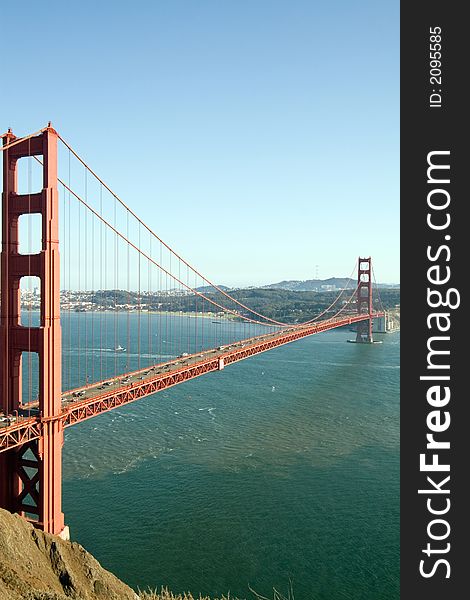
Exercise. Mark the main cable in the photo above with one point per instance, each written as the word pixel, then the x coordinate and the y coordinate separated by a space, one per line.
pixel 205 279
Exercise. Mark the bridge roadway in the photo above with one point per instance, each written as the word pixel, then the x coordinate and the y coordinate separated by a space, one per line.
pixel 89 401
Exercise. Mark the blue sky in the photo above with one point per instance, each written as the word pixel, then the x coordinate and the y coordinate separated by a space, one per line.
pixel 258 137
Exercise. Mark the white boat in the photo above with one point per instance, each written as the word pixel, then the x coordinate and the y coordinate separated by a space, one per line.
pixel 119 349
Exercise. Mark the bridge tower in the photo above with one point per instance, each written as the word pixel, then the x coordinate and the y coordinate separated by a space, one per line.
pixel 31 475
pixel 364 300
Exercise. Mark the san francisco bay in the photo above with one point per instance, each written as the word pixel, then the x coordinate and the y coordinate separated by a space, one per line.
pixel 283 468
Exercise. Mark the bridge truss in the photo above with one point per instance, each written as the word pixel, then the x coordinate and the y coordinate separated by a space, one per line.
pixel 103 247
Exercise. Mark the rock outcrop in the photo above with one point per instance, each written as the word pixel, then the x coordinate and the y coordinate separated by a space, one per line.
pixel 38 566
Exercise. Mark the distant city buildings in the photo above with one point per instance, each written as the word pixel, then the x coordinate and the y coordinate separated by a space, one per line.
pixel 110 300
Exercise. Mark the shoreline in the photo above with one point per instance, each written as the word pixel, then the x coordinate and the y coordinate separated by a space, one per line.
pixel 172 313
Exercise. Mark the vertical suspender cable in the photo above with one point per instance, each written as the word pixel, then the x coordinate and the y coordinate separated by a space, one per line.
pixel 63 280
pixel 160 307
pixel 69 260
pixel 86 280
pixel 181 318
pixel 106 270
pixel 128 332
pixel 139 306
pixel 115 288
pixel 93 297
pixel 101 284
pixel 149 296
pixel 79 314
pixel 169 311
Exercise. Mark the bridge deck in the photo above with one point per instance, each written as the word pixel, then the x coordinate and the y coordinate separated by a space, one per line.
pixel 87 402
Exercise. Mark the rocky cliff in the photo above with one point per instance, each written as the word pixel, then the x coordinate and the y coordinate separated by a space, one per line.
pixel 38 566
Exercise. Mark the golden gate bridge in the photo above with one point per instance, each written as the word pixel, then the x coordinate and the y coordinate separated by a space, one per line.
pixel 123 266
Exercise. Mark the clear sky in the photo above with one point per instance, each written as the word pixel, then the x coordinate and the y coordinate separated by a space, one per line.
pixel 259 138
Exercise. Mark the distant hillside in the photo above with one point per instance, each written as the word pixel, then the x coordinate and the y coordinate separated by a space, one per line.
pixel 318 285
pixel 286 305
pixel 208 289
pixel 296 285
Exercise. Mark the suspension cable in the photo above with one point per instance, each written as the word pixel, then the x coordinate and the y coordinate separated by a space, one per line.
pixel 207 281
pixel 377 290
pixel 346 303
pixel 196 292
pixel 122 236
pixel 337 298
pixel 214 286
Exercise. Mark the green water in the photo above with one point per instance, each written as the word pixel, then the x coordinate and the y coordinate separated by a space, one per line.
pixel 281 467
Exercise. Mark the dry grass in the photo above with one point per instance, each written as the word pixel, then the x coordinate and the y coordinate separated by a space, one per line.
pixel 165 594
pixel 276 594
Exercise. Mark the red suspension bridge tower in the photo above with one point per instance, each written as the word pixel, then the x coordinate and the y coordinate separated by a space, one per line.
pixel 31 474
pixel 31 447
pixel 364 300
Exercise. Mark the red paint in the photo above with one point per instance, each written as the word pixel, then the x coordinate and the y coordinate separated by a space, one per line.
pixel 35 443
pixel 81 410
pixel 45 452
pixel 364 299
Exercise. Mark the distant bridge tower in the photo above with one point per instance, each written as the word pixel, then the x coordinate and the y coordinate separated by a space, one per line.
pixel 31 475
pixel 364 299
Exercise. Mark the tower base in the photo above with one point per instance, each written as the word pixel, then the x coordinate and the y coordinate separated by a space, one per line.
pixel 365 342
pixel 65 533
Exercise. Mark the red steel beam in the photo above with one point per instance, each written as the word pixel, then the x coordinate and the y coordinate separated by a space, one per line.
pixel 19 433
pixel 44 487
pixel 31 428
pixel 91 407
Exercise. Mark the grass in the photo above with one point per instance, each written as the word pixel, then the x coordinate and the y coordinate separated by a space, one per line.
pixel 165 594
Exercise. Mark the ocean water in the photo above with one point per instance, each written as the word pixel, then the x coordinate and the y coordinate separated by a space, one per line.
pixel 281 468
